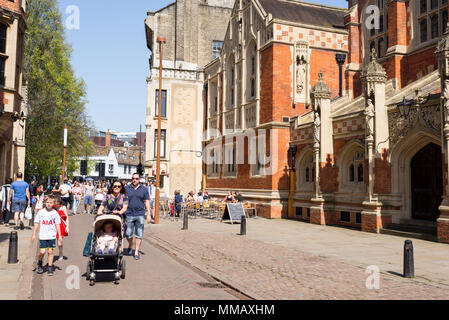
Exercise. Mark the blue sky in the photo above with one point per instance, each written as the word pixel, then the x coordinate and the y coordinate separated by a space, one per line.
pixel 110 54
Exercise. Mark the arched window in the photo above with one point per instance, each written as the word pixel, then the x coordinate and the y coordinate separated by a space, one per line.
pixel 352 169
pixel 378 37
pixel 251 71
pixel 230 82
pixel 306 171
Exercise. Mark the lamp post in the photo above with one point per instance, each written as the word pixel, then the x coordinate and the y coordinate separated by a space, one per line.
pixel 161 41
pixel 404 108
pixel 65 153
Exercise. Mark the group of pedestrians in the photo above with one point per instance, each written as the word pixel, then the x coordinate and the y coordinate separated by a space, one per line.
pixel 15 199
pixel 130 202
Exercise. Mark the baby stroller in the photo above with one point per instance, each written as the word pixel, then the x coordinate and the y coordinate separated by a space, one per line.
pixel 106 263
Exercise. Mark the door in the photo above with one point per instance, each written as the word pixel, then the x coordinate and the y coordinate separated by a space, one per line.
pixel 427 183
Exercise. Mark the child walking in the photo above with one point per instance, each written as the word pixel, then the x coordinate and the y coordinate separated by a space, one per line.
pixel 61 209
pixel 48 222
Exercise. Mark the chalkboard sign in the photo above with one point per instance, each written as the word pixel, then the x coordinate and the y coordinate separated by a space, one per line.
pixel 233 212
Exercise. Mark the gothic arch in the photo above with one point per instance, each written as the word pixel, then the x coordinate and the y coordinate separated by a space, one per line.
pixel 400 159
pixel 351 164
pixel 305 170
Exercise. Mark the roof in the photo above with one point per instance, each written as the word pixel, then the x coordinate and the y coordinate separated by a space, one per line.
pixel 127 156
pixel 307 13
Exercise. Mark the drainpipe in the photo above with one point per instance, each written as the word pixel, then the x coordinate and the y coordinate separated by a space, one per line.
pixel 341 58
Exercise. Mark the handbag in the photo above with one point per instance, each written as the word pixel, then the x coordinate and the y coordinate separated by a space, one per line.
pixel 28 213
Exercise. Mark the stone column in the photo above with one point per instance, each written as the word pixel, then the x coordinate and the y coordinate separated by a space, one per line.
pixel 323 143
pixel 376 137
pixel 442 55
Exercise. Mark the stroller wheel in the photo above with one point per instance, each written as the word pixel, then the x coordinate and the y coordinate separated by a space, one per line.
pixel 123 268
pixel 88 271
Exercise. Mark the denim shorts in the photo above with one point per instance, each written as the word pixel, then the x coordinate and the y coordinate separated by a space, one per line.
pixel 135 224
pixel 152 203
pixel 19 206
pixel 88 200
pixel 47 244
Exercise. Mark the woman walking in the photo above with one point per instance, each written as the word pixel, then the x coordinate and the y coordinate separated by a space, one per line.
pixel 99 196
pixel 116 200
pixel 63 213
pixel 76 191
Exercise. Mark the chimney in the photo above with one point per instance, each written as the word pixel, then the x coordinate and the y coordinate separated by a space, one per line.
pixel 108 139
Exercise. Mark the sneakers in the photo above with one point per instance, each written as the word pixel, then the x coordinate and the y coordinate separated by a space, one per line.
pixel 40 270
pixel 137 257
pixel 51 271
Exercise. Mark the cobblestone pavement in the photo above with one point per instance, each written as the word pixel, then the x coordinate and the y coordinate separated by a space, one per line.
pixel 11 274
pixel 269 271
pixel 157 276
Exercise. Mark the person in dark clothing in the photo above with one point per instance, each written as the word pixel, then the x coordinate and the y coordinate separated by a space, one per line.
pixel 178 201
pixel 238 197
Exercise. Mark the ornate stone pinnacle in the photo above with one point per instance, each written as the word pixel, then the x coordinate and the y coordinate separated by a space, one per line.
pixel 320 75
pixel 373 55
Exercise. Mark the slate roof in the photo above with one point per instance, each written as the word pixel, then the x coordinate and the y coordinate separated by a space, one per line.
pixel 297 11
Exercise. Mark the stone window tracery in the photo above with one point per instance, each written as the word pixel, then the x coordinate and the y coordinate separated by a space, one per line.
pixel 432 19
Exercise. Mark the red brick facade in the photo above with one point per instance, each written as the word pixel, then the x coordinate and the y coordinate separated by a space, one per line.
pixel 344 186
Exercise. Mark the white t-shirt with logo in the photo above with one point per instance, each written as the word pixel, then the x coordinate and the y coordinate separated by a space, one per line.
pixel 65 188
pixel 47 224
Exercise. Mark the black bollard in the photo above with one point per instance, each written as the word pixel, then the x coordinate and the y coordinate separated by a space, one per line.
pixel 186 222
pixel 13 248
pixel 409 266
pixel 243 226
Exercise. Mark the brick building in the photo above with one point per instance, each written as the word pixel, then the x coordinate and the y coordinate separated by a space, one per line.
pixel 194 31
pixel 366 140
pixel 260 80
pixel 13 102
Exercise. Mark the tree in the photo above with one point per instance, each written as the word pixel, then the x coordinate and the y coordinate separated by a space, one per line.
pixel 56 98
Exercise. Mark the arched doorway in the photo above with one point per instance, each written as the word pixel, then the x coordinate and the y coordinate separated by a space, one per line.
pixel 426 183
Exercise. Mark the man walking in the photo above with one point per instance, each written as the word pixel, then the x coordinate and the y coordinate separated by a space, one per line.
pixel 88 192
pixel 19 198
pixel 138 201
pixel 65 193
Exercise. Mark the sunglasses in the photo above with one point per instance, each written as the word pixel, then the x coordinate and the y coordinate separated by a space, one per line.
pixel 136 178
pixel 117 186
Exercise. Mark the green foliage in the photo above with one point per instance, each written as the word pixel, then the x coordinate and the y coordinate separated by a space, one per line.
pixel 56 97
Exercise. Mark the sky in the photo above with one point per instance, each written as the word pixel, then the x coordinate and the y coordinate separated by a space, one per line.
pixel 111 56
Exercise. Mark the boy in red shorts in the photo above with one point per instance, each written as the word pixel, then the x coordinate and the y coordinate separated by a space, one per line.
pixel 48 222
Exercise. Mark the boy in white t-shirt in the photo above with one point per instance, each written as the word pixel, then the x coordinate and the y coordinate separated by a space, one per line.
pixel 48 222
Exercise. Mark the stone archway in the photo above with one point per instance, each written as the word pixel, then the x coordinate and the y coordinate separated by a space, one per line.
pixel 401 168
pixel 426 182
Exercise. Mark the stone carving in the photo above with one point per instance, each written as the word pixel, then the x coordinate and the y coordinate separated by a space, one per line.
pixel 446 101
pixel 301 62
pixel 369 118
pixel 301 66
pixel 317 128
pixel 427 117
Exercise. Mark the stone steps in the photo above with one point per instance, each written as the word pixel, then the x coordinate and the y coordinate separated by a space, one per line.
pixel 411 231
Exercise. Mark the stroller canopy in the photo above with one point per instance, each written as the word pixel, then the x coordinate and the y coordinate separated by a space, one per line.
pixel 101 220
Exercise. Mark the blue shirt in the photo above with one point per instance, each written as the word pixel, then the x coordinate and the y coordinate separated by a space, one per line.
pixel 20 188
pixel 136 198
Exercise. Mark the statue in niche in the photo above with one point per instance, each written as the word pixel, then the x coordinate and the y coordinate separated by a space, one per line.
pixel 301 68
pixel 317 127
pixel 446 101
pixel 369 118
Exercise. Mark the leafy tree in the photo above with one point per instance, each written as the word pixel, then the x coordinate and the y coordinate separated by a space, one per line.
pixel 56 97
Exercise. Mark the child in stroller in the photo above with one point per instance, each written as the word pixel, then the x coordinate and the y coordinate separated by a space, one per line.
pixel 107 239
